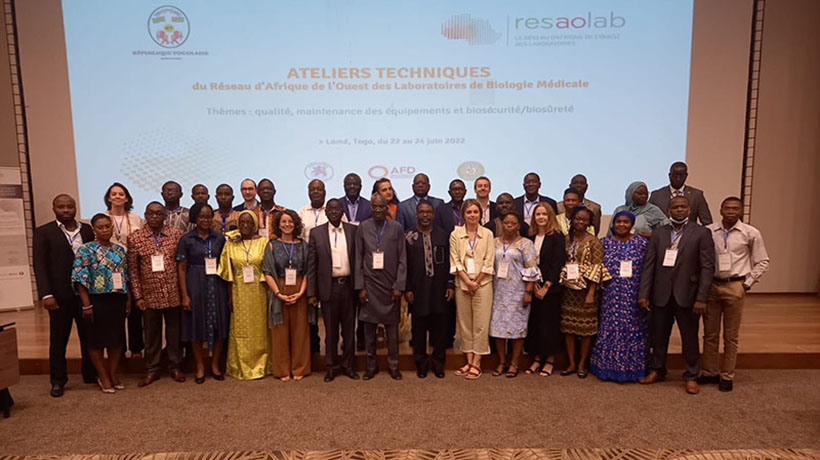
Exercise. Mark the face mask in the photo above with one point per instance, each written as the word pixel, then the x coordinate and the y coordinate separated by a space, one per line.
pixel 679 222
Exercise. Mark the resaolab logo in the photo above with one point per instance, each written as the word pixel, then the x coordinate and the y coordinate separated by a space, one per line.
pixel 589 20
pixel 168 26
pixel 475 31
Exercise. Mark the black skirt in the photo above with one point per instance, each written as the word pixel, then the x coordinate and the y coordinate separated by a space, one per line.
pixel 108 322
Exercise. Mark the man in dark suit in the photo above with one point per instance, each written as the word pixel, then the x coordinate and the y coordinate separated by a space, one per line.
pixel 448 215
pixel 331 255
pixel 406 211
pixel 699 209
pixel 355 207
pixel 505 205
pixel 55 245
pixel 525 204
pixel 677 277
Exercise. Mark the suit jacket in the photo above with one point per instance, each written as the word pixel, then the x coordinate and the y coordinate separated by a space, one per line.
pixel 406 211
pixel 54 260
pixel 493 211
pixel 444 218
pixel 362 212
pixel 519 204
pixel 592 206
pixel 690 279
pixel 697 202
pixel 320 261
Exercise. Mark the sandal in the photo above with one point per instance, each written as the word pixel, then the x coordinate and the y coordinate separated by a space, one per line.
pixel 547 372
pixel 463 370
pixel 500 369
pixel 473 375
pixel 510 373
pixel 104 389
pixel 534 367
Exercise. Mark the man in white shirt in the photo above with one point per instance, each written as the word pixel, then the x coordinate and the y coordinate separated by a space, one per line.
pixel 313 213
pixel 741 261
pixel 482 187
pixel 329 271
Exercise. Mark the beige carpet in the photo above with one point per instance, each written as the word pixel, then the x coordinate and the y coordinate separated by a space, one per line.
pixel 465 454
pixel 768 409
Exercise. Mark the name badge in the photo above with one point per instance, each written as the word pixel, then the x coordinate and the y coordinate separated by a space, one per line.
pixel 470 266
pixel 573 273
pixel 503 269
pixel 669 257
pixel 116 279
pixel 337 258
pixel 626 269
pixel 157 263
pixel 378 260
pixel 724 262
pixel 248 275
pixel 290 277
pixel 210 265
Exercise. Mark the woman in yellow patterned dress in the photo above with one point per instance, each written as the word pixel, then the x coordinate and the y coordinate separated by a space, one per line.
pixel 240 265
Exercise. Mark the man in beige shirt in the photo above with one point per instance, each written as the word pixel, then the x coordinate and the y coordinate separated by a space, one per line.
pixel 741 261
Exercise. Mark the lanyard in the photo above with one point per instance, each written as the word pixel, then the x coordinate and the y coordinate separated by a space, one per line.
pixel 528 209
pixel 247 251
pixel 504 248
pixel 157 240
pixel 457 216
pixel 118 225
pixel 335 231
pixel 352 209
pixel 572 249
pixel 379 235
pixel 726 238
pixel 208 246
pixel 224 221
pixel 471 242
pixel 675 237
pixel 289 253
pixel 71 238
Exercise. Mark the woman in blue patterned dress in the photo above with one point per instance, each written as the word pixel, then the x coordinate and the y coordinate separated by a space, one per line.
pixel 516 271
pixel 101 275
pixel 621 351
pixel 205 315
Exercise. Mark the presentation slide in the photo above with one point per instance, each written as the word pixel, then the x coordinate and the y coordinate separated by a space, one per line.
pixel 210 92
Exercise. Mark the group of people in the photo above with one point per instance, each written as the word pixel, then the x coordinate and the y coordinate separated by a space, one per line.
pixel 526 274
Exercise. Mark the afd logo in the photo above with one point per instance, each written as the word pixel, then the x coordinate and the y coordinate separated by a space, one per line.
pixel 610 21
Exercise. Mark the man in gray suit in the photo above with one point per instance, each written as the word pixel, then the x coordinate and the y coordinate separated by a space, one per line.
pixel 697 202
pixel 677 277
pixel 406 211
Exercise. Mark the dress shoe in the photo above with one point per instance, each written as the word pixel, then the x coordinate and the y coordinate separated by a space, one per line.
pixel 177 376
pixel 369 374
pixel 351 374
pixel 219 377
pixel 147 380
pixel 438 371
pixel 395 374
pixel 653 377
pixel 329 376
pixel 421 370
pixel 199 380
pixel 725 385
pixel 692 387
pixel 708 379
pixel 57 390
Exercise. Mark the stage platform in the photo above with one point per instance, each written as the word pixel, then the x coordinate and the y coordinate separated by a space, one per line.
pixel 778 332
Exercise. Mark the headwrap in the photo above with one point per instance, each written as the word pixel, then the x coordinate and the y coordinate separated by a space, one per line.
pixel 626 214
pixel 646 216
pixel 234 235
